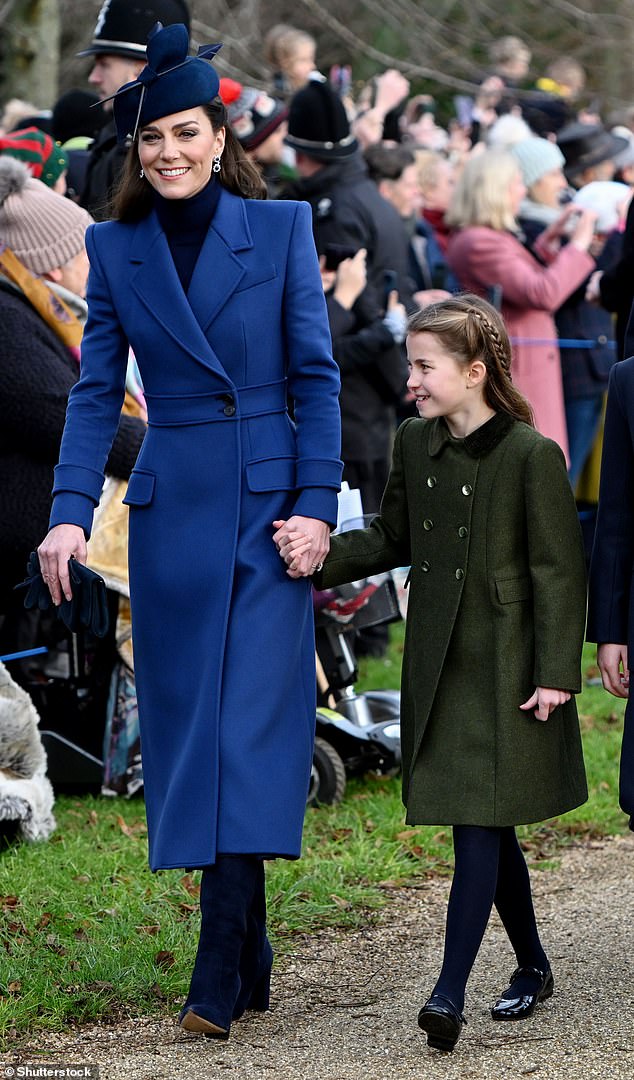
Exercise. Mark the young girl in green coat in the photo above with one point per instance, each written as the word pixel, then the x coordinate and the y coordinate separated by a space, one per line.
pixel 479 504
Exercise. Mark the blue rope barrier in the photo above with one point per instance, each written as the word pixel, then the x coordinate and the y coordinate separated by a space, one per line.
pixel 26 652
pixel 563 343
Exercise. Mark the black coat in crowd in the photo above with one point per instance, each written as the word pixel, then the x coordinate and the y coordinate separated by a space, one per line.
pixel 348 210
pixel 36 374
pixel 102 173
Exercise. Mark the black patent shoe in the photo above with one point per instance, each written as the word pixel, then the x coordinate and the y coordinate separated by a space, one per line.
pixel 442 1023
pixel 518 1006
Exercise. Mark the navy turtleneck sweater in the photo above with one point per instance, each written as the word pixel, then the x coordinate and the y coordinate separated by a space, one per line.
pixel 185 223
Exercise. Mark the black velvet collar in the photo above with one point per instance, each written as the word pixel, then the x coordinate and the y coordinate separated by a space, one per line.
pixel 479 443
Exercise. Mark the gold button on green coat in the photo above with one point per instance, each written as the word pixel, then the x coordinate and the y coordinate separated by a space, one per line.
pixel 463 532
pixel 431 481
pixel 476 650
pixel 459 574
pixel 428 524
pixel 467 489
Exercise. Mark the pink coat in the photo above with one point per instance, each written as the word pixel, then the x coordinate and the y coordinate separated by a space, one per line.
pixel 481 257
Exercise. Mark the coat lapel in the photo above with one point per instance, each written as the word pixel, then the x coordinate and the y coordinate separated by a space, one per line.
pixel 217 274
pixel 219 271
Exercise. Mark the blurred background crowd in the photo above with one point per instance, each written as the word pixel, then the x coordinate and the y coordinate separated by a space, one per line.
pixel 514 182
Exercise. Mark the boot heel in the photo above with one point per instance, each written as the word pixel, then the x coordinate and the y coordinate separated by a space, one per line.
pixel 260 995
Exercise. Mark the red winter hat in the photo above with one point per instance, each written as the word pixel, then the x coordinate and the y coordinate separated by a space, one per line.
pixel 43 157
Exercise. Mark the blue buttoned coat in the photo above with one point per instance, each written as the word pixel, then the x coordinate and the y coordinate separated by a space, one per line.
pixel 223 638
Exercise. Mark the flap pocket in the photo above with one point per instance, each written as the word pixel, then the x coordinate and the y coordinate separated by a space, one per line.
pixel 511 590
pixel 140 488
pixel 271 474
pixel 257 277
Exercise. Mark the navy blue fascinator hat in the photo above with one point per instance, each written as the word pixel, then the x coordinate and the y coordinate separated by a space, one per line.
pixel 171 82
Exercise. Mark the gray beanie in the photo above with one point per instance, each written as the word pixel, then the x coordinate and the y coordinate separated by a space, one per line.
pixel 537 157
pixel 43 229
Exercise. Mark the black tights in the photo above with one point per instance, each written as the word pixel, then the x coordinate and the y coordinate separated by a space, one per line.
pixel 489 869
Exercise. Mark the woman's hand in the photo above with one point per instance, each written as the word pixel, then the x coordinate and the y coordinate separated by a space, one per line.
pixel 544 700
pixel 303 543
pixel 583 233
pixel 615 674
pixel 54 552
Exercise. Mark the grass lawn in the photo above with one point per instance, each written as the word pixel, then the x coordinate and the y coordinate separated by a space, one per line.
pixel 87 931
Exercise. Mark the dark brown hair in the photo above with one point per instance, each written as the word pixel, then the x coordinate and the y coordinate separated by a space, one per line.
pixel 134 196
pixel 471 329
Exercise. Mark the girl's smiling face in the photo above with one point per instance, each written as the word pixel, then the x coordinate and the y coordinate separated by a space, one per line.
pixel 443 387
pixel 176 152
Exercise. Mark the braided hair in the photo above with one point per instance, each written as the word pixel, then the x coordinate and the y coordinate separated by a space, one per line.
pixel 471 329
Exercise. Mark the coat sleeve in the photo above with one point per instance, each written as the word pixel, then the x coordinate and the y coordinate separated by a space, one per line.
pixel 557 569
pixel 499 259
pixel 613 551
pixel 313 377
pixel 94 405
pixel 384 545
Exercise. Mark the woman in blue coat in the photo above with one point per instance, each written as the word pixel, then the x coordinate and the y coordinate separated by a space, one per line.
pixel 220 298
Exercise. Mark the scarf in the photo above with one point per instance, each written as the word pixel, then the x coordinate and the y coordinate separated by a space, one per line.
pixel 50 305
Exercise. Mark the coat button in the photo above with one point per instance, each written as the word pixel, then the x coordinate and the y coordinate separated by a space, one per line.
pixel 431 481
pixel 425 566
pixel 229 409
pixel 459 575
pixel 428 524
pixel 602 339
pixel 463 532
pixel 467 489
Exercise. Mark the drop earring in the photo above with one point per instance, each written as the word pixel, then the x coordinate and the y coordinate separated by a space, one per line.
pixel 142 174
pixel 216 164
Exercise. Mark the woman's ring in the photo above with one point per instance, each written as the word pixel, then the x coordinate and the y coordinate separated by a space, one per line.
pixel 316 567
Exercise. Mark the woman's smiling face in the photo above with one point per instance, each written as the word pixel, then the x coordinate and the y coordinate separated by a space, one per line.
pixel 176 152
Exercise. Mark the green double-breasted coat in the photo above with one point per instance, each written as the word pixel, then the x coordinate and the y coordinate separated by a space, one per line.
pixel 497 607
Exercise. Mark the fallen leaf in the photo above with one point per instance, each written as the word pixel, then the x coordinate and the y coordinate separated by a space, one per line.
pixel 407 834
pixel 164 959
pixel 14 987
pixel 154 929
pixel 9 902
pixel 93 817
pixel 83 879
pixel 190 886
pixel 187 909
pixel 342 903
pixel 43 920
pixel 340 834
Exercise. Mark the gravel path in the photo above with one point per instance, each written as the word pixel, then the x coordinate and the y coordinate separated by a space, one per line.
pixel 345 1004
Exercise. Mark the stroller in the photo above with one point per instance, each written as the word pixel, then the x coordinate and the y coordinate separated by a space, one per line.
pixel 356 733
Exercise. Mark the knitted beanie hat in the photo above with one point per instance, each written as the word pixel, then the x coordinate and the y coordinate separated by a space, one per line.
pixel 46 160
pixel 253 114
pixel 43 229
pixel 537 157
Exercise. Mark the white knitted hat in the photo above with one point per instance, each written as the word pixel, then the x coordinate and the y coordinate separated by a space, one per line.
pixel 45 230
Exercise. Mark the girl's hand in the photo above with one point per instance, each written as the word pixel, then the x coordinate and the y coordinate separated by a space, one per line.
pixel 583 233
pixel 546 699
pixel 54 552
pixel 615 674
pixel 312 537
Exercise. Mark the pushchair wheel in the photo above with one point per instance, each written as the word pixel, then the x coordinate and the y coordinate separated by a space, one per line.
pixel 328 775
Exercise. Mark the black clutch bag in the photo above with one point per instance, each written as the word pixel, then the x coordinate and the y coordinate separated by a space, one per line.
pixel 88 608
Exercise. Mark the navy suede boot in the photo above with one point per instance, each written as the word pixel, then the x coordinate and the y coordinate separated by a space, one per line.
pixel 257 956
pixel 226 899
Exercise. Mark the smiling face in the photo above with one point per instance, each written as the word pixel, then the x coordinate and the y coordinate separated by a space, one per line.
pixel 176 152
pixel 444 387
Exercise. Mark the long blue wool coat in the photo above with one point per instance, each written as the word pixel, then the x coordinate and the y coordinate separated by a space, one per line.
pixel 223 638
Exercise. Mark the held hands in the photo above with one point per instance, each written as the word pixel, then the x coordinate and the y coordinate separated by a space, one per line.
pixel 545 699
pixel 615 673
pixel 302 543
pixel 54 552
